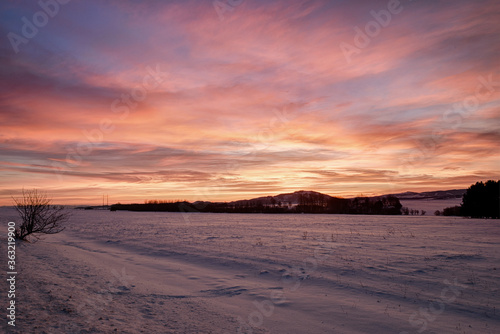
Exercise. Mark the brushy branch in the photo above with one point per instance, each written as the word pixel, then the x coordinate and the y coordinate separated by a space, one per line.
pixel 38 215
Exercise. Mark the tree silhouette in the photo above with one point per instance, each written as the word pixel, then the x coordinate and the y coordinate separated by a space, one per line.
pixel 482 200
pixel 38 215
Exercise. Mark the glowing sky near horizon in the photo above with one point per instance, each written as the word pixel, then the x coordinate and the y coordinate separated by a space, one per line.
pixel 175 100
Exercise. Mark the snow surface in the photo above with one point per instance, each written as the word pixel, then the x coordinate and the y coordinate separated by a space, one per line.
pixel 135 272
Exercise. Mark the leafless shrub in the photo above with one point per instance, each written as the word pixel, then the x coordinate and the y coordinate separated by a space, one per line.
pixel 38 215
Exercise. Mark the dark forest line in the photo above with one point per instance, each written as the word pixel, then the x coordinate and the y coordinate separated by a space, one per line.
pixel 307 203
pixel 481 200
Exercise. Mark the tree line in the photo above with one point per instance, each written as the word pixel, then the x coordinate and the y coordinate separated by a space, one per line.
pixel 307 203
pixel 481 200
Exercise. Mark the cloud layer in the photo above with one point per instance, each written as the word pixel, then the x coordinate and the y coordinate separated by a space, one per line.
pixel 180 100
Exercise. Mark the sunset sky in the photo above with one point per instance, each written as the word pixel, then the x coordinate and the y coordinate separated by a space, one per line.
pixel 235 99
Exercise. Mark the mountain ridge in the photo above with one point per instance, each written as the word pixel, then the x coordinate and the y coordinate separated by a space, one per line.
pixel 437 194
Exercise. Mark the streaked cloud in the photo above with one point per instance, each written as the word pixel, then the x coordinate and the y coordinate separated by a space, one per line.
pixel 261 103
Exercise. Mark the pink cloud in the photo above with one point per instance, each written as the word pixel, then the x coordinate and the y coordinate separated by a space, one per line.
pixel 249 103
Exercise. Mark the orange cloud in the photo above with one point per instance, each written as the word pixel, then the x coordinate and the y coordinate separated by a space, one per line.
pixel 262 102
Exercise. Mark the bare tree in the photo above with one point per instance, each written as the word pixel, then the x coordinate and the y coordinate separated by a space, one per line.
pixel 38 215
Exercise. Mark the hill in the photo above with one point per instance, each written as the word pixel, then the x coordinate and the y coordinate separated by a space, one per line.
pixel 297 202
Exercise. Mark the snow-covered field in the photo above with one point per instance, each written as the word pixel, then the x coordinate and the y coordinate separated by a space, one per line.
pixel 130 272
